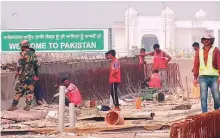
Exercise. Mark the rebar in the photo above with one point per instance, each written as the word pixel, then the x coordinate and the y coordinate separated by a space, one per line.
pixel 204 125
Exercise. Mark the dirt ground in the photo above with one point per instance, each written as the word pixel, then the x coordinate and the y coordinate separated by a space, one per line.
pixel 185 66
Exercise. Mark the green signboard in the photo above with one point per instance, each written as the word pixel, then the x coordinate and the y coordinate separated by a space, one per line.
pixel 56 40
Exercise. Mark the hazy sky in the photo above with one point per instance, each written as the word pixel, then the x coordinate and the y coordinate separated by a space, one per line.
pixel 38 15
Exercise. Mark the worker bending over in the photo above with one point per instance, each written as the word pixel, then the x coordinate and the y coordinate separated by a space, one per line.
pixel 72 93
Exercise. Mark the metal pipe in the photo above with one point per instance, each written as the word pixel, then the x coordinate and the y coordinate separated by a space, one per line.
pixel 61 108
pixel 72 114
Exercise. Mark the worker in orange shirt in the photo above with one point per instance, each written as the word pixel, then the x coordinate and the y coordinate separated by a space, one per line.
pixel 207 71
pixel 155 80
pixel 114 78
pixel 154 83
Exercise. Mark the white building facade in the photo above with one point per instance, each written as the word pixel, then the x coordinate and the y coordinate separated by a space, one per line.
pixel 172 35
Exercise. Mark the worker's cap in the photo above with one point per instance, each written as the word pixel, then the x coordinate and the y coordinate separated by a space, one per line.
pixel 208 35
pixel 24 43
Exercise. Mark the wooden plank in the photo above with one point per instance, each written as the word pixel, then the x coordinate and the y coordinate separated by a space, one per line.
pixel 125 115
pixel 88 130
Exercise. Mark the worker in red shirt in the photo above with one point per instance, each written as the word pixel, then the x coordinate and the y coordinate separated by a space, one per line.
pixel 114 78
pixel 72 93
pixel 154 83
pixel 207 69
pixel 160 61
pixel 195 47
pixel 155 80
pixel 141 58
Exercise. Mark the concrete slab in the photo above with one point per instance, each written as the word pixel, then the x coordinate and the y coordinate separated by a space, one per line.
pixel 22 115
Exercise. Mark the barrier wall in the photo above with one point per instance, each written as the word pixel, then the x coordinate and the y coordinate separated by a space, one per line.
pixel 91 77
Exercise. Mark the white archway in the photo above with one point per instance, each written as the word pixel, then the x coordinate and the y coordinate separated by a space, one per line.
pixel 148 40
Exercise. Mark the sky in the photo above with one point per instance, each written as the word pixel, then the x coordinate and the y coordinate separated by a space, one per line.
pixel 48 15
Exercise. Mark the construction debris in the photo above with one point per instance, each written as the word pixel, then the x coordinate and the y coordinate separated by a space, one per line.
pixel 182 107
pixel 152 120
pixel 22 115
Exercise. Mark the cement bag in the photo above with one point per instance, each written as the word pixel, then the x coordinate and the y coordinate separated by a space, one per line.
pixel 75 97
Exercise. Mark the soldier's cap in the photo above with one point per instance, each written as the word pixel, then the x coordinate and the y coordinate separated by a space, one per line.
pixel 24 43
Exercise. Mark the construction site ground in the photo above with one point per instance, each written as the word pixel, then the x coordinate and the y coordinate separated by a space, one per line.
pixel 40 122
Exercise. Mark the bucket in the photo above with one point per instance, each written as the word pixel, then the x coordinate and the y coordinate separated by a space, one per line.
pixel 113 118
pixel 138 103
pixel 195 91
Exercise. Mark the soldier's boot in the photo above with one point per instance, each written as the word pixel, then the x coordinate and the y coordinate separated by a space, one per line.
pixel 27 107
pixel 13 108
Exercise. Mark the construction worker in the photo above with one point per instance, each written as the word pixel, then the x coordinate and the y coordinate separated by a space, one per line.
pixel 72 93
pixel 155 80
pixel 25 75
pixel 195 46
pixel 153 83
pixel 160 61
pixel 114 78
pixel 110 100
pixel 207 69
pixel 141 58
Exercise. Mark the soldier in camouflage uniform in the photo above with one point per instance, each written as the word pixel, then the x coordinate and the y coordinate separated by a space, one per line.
pixel 26 76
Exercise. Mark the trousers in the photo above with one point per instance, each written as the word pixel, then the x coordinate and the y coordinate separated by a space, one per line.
pixel 23 89
pixel 114 93
pixel 163 75
pixel 211 82
pixel 38 92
